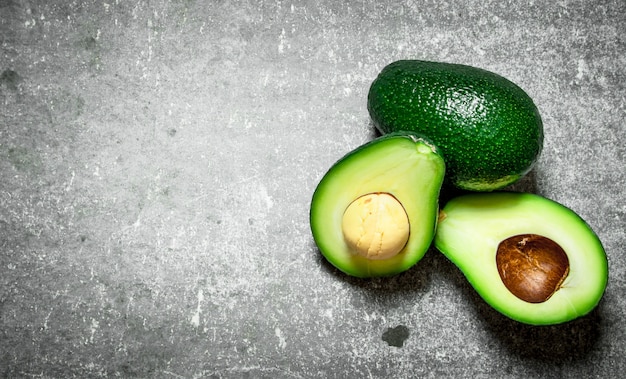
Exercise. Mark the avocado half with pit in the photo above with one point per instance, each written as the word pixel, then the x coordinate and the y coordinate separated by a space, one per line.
pixel 531 258
pixel 374 212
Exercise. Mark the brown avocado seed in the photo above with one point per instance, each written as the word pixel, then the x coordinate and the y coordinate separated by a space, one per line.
pixel 531 266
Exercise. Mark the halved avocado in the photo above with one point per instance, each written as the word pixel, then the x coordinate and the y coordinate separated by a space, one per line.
pixel 375 211
pixel 531 258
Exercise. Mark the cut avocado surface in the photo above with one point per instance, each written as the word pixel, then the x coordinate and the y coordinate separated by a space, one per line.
pixel 488 129
pixel 374 212
pixel 531 258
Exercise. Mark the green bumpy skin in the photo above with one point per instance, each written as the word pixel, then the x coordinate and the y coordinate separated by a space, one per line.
pixel 471 227
pixel 401 164
pixel 487 128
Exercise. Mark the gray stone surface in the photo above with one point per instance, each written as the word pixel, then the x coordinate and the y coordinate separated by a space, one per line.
pixel 158 159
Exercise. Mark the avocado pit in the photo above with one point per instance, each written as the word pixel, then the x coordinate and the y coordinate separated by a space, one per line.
pixel 376 226
pixel 531 266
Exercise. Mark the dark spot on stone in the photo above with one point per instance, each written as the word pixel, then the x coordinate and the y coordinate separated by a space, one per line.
pixel 213 219
pixel 89 43
pixel 10 78
pixel 396 336
pixel 83 238
pixel 23 159
pixel 250 221
pixel 242 349
pixel 171 132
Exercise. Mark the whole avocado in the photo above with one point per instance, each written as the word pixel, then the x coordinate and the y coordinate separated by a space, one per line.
pixel 488 129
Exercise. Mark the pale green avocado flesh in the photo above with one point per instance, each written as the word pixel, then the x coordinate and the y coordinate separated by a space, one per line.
pixel 472 226
pixel 401 164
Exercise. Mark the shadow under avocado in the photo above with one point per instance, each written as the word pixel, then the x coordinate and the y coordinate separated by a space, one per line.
pixel 413 280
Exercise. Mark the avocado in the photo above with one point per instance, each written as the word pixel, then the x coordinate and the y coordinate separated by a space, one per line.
pixel 487 128
pixel 374 212
pixel 529 257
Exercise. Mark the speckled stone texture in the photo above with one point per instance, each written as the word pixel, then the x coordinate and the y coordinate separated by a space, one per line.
pixel 158 160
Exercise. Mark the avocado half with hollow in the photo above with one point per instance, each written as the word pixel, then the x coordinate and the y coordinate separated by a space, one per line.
pixel 531 258
pixel 374 212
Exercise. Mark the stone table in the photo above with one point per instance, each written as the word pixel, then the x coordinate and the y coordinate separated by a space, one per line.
pixel 159 157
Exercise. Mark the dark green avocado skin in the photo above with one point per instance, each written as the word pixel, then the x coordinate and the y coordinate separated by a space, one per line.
pixel 488 129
